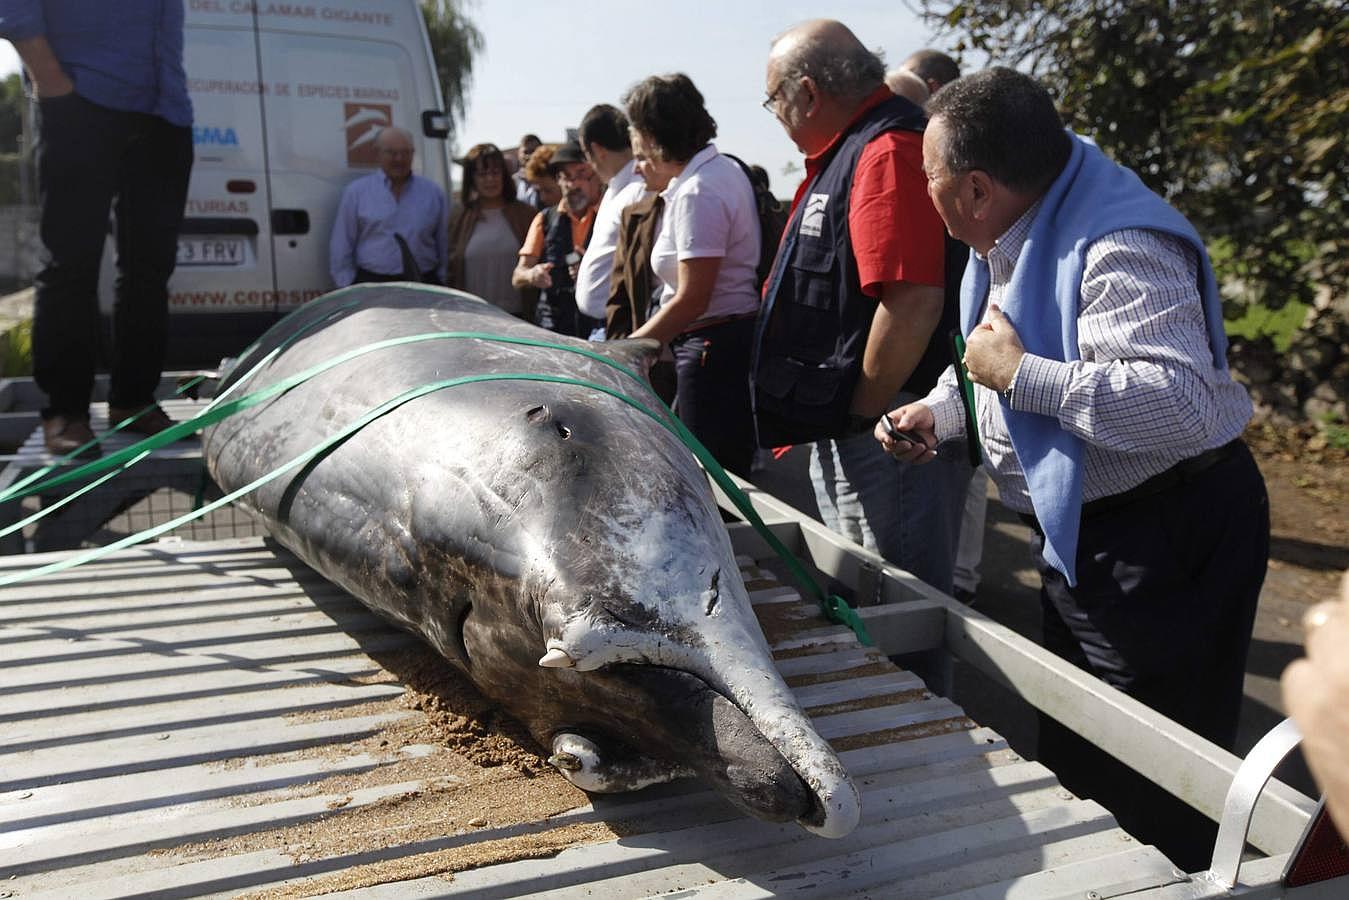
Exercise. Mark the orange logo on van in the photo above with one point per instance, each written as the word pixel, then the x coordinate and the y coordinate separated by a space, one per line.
pixel 363 122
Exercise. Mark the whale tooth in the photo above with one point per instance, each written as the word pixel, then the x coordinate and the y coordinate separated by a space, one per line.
pixel 567 762
pixel 556 658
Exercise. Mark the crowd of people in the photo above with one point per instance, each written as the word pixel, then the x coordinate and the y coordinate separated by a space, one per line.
pixel 1102 406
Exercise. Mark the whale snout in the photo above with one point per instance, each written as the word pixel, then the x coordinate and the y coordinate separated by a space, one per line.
pixel 699 729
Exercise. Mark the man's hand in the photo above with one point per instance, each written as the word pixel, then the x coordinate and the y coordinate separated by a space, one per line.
pixel 993 352
pixel 541 275
pixel 49 79
pixel 1316 695
pixel 916 419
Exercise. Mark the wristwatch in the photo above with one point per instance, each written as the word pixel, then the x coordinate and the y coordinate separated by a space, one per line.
pixel 1006 392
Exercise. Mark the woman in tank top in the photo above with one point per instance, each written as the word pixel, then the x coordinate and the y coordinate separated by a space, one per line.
pixel 486 231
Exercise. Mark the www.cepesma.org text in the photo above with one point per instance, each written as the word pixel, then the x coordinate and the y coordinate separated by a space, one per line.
pixel 242 299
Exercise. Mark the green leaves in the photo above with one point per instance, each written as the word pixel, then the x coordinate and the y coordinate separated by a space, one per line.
pixel 1235 111
pixel 454 41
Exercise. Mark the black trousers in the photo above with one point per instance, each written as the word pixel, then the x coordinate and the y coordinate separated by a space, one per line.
pixel 712 390
pixel 365 276
pixel 92 160
pixel 1163 610
pixel 556 312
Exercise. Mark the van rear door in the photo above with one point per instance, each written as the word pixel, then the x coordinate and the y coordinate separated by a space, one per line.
pixel 338 75
pixel 287 100
pixel 225 262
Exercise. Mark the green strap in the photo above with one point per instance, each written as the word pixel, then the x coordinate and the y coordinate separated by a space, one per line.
pixel 21 488
pixel 303 458
pixel 833 606
pixel 966 398
pixel 218 412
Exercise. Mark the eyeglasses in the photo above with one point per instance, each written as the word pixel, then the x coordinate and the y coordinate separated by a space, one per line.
pixel 770 102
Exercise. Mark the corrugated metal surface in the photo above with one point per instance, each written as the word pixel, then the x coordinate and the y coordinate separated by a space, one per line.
pixel 186 694
pixel 156 489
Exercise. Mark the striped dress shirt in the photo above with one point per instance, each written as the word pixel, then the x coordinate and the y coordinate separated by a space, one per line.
pixel 1144 393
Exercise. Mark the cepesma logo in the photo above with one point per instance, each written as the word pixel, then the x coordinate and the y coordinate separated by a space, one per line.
pixel 363 122
pixel 211 136
pixel 812 219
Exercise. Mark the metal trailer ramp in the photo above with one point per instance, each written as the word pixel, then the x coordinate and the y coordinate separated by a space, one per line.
pixel 166 708
pixel 163 483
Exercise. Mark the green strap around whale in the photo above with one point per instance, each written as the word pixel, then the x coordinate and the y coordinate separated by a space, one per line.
pixel 21 488
pixel 834 607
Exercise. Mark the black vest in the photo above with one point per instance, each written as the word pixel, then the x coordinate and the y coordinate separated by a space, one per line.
pixel 815 320
pixel 556 309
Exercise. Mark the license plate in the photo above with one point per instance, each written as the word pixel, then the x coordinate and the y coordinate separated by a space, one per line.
pixel 212 251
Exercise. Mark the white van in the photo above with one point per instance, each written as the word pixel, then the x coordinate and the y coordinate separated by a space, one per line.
pixel 287 99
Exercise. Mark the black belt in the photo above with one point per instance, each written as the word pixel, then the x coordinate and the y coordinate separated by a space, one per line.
pixel 703 324
pixel 365 276
pixel 1179 474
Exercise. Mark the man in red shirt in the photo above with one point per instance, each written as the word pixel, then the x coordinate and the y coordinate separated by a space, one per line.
pixel 852 310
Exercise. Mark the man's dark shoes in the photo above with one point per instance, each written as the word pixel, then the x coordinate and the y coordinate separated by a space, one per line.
pixel 63 434
pixel 152 420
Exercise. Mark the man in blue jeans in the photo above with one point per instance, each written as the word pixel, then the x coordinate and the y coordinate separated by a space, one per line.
pixel 856 310
pixel 115 133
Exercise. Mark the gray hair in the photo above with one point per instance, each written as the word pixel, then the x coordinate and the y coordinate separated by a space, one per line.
pixel 907 85
pixel 848 72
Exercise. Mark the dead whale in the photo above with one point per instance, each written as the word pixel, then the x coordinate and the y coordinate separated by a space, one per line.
pixel 530 518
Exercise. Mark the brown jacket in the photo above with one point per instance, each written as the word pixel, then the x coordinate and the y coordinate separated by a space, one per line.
pixel 462 222
pixel 630 287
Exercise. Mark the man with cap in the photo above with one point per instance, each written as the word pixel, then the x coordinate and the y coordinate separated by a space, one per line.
pixel 557 237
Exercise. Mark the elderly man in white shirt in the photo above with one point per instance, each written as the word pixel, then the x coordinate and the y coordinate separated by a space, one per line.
pixel 392 225
pixel 604 140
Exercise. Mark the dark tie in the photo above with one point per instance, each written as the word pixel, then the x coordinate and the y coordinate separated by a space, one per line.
pixel 410 270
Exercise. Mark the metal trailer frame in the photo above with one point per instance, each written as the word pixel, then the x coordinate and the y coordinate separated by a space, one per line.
pixel 904 615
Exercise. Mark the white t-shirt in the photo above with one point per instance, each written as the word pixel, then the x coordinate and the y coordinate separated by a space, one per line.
pixel 597 265
pixel 710 212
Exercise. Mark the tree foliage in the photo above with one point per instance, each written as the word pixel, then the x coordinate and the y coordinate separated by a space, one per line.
pixel 454 41
pixel 11 112
pixel 1235 110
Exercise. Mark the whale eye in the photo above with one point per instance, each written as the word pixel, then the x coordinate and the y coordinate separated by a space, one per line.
pixel 538 415
pixel 459 632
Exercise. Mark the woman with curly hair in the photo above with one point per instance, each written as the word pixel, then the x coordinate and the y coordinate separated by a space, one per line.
pixel 540 177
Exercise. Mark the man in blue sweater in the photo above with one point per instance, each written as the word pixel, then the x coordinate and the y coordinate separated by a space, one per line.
pixel 115 133
pixel 1108 420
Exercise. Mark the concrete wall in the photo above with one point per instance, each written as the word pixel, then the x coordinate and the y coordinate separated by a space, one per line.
pixel 19 247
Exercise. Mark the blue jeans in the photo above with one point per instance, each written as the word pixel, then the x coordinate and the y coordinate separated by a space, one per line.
pixel 908 514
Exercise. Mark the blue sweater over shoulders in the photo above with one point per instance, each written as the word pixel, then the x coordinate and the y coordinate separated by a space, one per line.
pixel 1092 197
